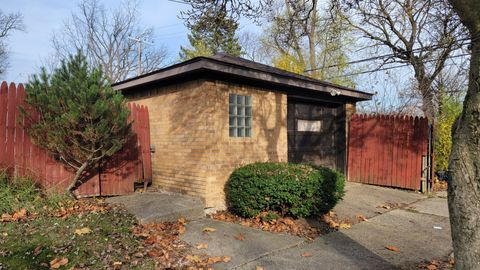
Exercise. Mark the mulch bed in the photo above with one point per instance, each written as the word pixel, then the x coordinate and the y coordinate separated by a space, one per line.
pixel 444 264
pixel 309 229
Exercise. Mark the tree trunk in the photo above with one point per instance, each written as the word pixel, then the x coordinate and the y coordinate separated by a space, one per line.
pixel 312 34
pixel 464 186
pixel 425 89
pixel 76 180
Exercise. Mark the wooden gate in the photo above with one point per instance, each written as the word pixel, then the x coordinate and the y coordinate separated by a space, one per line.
pixel 389 151
pixel 22 158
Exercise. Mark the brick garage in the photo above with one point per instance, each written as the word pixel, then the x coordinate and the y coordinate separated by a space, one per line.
pixel 210 115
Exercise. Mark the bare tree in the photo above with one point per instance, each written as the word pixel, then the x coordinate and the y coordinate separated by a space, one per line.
pixel 420 33
pixel 251 46
pixel 8 23
pixel 106 38
pixel 393 95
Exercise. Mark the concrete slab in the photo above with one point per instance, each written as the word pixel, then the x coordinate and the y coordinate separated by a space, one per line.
pixel 158 206
pixel 361 199
pixel 435 206
pixel 418 236
pixel 222 242
pixel 363 246
pixel 343 253
pixel 441 194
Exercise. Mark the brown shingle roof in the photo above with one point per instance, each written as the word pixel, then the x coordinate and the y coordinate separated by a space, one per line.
pixel 230 66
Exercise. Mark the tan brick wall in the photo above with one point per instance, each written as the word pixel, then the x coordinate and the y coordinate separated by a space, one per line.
pixel 189 128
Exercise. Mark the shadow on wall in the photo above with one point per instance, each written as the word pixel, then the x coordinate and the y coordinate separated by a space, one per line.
pixel 270 121
pixel 200 131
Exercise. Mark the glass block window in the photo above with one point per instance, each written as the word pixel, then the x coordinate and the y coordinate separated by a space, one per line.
pixel 240 115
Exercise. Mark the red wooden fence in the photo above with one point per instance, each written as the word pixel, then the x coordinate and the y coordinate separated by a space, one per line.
pixel 21 157
pixel 387 150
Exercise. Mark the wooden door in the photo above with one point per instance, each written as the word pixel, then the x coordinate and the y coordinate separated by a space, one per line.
pixel 316 134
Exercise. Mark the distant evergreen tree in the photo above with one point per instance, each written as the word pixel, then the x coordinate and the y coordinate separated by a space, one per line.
pixel 82 121
pixel 211 33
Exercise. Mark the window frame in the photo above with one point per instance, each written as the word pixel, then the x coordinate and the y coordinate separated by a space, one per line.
pixel 240 116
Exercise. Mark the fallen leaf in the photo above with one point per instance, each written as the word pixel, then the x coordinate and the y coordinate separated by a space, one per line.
pixel 215 259
pixel 258 268
pixel 209 229
pixel 194 258
pixel 181 229
pixel 5 234
pixel 240 237
pixel 151 240
pixel 37 250
pixel 20 214
pixel 83 231
pixel 58 262
pixel 152 254
pixel 362 218
pixel 117 263
pixel 202 246
pixel 138 255
pixel 344 226
pixel 143 235
pixel 384 206
pixel 432 267
pixel 277 225
pixel 5 218
pixel 306 254
pixel 226 259
pixel 435 262
pixel 393 248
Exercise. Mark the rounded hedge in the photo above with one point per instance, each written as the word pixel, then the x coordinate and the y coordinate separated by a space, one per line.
pixel 295 190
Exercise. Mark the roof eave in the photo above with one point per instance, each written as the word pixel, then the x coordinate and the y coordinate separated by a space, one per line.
pixel 204 63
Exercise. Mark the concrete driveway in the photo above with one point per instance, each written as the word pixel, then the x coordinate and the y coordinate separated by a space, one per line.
pixel 419 228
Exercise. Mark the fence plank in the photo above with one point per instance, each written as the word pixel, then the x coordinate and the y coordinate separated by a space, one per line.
pixel 3 123
pixel 387 150
pixel 11 107
pixel 19 143
pixel 22 157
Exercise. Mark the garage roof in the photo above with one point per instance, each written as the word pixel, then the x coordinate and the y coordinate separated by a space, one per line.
pixel 227 66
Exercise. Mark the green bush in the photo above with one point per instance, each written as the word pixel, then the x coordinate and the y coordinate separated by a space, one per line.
pixel 296 190
pixel 449 109
pixel 22 192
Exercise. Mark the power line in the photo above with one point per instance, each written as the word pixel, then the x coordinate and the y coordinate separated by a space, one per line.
pixel 384 56
pixel 388 68
pixel 139 42
pixel 179 1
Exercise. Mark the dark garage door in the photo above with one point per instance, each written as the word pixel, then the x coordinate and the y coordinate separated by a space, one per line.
pixel 316 134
